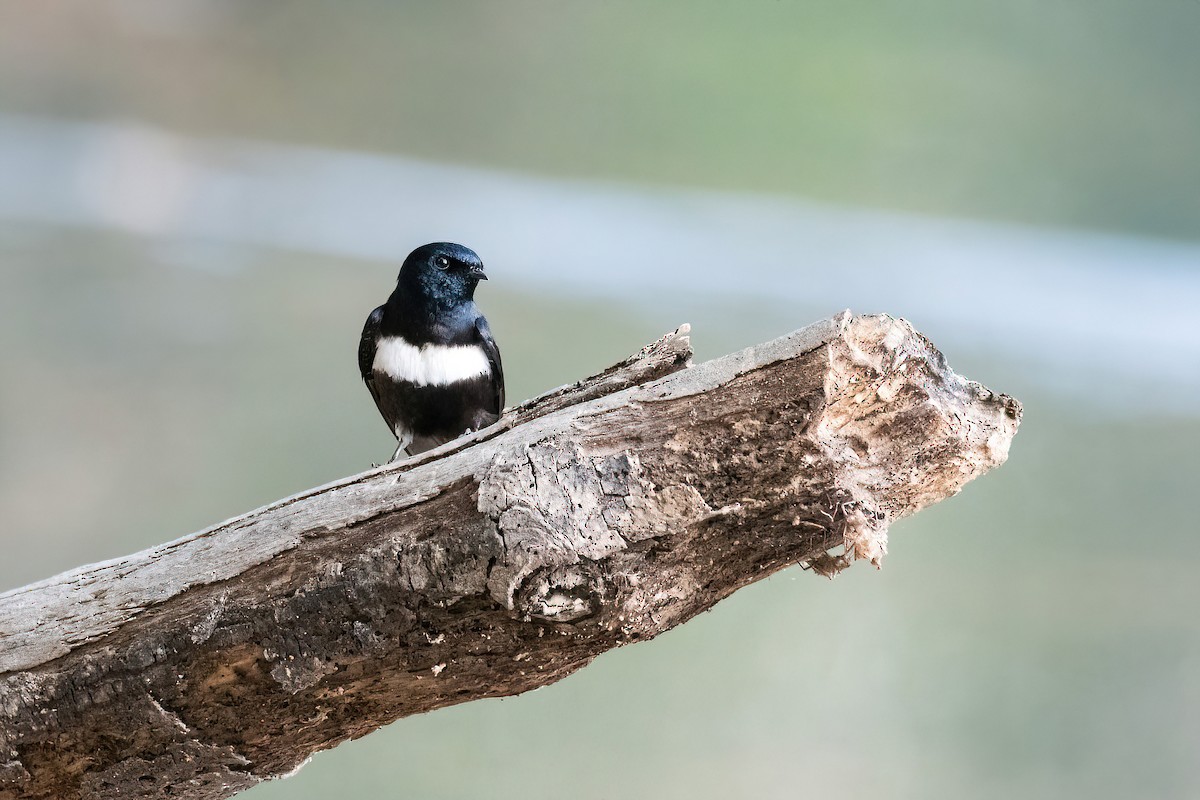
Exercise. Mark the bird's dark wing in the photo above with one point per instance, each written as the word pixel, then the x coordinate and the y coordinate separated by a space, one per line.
pixel 493 357
pixel 366 354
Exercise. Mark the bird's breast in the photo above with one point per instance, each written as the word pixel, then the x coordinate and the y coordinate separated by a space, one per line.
pixel 429 364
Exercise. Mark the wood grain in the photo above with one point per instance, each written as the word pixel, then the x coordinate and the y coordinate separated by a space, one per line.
pixel 598 515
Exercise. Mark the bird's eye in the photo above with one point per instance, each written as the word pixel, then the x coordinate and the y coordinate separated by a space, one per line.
pixel 443 262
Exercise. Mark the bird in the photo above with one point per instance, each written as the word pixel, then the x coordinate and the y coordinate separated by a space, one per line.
pixel 428 356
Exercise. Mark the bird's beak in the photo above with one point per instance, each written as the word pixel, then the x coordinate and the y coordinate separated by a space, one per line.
pixel 477 273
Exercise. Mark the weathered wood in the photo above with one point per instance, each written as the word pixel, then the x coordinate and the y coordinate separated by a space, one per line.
pixel 598 515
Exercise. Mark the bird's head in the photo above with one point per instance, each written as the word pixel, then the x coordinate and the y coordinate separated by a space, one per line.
pixel 442 273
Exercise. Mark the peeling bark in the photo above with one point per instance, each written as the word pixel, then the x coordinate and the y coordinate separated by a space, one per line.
pixel 597 515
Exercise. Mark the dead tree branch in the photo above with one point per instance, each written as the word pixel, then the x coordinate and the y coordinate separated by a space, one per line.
pixel 598 515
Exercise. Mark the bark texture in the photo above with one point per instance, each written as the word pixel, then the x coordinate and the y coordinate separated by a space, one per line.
pixel 598 515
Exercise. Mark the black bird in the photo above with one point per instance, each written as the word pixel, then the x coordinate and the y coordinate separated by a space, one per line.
pixel 427 354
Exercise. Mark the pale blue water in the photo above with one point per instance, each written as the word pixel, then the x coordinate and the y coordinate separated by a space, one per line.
pixel 1108 319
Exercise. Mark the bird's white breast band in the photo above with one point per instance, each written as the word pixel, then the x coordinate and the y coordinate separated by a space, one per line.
pixel 430 364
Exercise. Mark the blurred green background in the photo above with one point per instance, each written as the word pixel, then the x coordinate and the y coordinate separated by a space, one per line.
pixel 200 200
